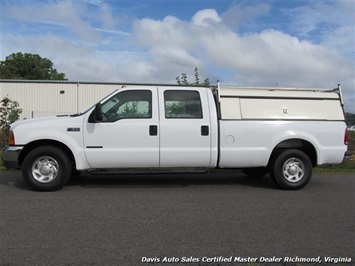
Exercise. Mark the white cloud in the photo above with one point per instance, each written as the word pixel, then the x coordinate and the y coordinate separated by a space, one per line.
pixel 206 18
pixel 93 2
pixel 107 17
pixel 328 23
pixel 156 51
pixel 168 32
pixel 237 15
pixel 270 56
pixel 65 14
pixel 267 58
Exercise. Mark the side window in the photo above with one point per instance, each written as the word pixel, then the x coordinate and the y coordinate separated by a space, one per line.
pixel 182 104
pixel 128 104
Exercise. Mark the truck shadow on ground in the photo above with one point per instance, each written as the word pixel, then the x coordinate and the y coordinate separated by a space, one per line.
pixel 112 179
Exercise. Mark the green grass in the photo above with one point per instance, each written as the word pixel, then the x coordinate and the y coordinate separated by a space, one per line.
pixel 2 168
pixel 346 168
pixel 352 141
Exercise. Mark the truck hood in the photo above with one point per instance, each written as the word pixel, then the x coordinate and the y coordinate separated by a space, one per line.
pixel 65 129
pixel 48 122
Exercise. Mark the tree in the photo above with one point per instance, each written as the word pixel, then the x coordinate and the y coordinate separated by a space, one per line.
pixel 130 109
pixel 350 119
pixel 182 80
pixel 29 66
pixel 9 113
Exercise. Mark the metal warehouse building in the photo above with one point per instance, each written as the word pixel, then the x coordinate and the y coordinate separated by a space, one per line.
pixel 47 98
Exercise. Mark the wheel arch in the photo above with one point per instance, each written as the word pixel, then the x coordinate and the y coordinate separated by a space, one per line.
pixel 46 142
pixel 297 143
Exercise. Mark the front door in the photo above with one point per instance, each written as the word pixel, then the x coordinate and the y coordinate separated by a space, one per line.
pixel 128 135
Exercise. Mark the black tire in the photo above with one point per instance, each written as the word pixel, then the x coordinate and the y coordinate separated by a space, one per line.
pixel 46 168
pixel 256 172
pixel 291 169
pixel 75 173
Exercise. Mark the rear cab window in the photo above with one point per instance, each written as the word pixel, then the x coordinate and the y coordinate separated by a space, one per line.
pixel 180 104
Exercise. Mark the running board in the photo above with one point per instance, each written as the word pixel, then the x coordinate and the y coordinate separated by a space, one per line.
pixel 149 171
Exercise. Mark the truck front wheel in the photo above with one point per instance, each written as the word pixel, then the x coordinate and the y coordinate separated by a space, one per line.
pixel 46 168
pixel 291 169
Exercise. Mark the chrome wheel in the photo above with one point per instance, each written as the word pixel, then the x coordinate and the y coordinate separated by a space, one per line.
pixel 293 170
pixel 290 169
pixel 45 169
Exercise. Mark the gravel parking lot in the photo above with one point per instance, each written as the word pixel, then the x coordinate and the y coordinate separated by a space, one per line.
pixel 188 219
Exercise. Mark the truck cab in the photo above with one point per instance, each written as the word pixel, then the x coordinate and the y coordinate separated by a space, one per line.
pixel 152 127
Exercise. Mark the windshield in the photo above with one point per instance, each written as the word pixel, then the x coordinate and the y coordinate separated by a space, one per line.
pixel 91 107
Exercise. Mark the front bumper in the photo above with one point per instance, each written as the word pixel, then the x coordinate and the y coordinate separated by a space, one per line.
pixel 10 156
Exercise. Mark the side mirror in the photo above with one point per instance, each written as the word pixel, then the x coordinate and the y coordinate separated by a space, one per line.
pixel 96 115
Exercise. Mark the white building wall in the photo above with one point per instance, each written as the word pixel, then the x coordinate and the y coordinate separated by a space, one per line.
pixel 46 98
pixel 89 94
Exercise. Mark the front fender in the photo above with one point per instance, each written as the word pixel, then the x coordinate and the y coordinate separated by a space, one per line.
pixel 70 142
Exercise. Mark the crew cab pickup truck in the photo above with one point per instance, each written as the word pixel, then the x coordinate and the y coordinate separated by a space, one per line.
pixel 283 132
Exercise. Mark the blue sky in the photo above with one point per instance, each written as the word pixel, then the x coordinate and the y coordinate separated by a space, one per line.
pixel 257 43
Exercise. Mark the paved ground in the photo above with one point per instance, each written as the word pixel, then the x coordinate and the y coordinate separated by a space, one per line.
pixel 109 220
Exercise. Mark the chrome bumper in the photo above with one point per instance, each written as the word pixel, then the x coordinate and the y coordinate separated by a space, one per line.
pixel 10 156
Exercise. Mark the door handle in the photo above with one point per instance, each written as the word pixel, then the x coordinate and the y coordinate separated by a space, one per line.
pixel 205 130
pixel 153 130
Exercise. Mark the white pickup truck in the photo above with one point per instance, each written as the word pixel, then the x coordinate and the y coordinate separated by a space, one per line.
pixel 281 131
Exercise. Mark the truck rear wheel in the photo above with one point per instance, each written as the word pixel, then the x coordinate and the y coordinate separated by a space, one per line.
pixel 291 169
pixel 46 168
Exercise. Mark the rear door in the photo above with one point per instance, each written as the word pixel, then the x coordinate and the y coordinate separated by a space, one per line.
pixel 185 137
